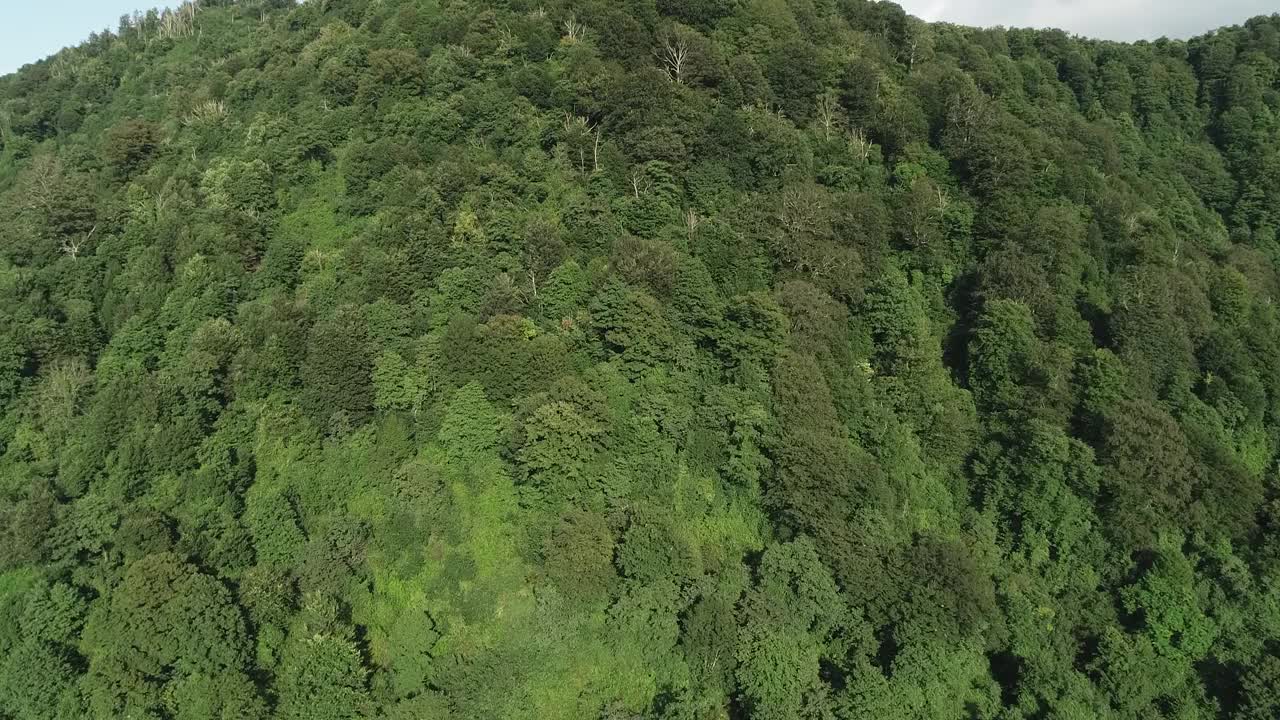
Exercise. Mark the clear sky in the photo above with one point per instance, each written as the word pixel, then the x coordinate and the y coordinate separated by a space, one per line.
pixel 1109 19
pixel 35 29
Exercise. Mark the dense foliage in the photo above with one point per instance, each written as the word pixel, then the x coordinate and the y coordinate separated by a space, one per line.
pixel 684 359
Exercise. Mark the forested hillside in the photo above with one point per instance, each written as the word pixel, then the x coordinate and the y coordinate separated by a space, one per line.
pixel 623 359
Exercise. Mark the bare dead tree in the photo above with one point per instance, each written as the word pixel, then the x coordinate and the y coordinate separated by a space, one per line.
pixel 944 199
pixel 674 55
pixel 61 391
pixel 43 178
pixel 570 122
pixel 923 212
pixel 640 183
pixel 859 144
pixel 919 45
pixel 802 210
pixel 969 114
pixel 65 64
pixel 543 250
pixel 533 282
pixel 209 111
pixel 578 132
pixel 318 258
pixel 595 152
pixel 828 114
pixel 71 246
pixel 160 201
pixel 180 22
pixel 830 261
pixel 507 40
pixel 692 220
pixel 574 31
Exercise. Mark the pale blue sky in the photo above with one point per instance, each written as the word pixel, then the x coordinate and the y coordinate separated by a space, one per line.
pixel 1107 19
pixel 35 29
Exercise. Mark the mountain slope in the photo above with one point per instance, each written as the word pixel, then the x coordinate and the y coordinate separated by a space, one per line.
pixel 715 359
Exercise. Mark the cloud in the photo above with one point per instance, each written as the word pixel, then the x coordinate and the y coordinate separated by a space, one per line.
pixel 1109 19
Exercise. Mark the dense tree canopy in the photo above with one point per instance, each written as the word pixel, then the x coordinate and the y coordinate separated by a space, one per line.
pixel 671 359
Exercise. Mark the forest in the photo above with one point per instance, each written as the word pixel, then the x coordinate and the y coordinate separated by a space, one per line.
pixel 638 360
